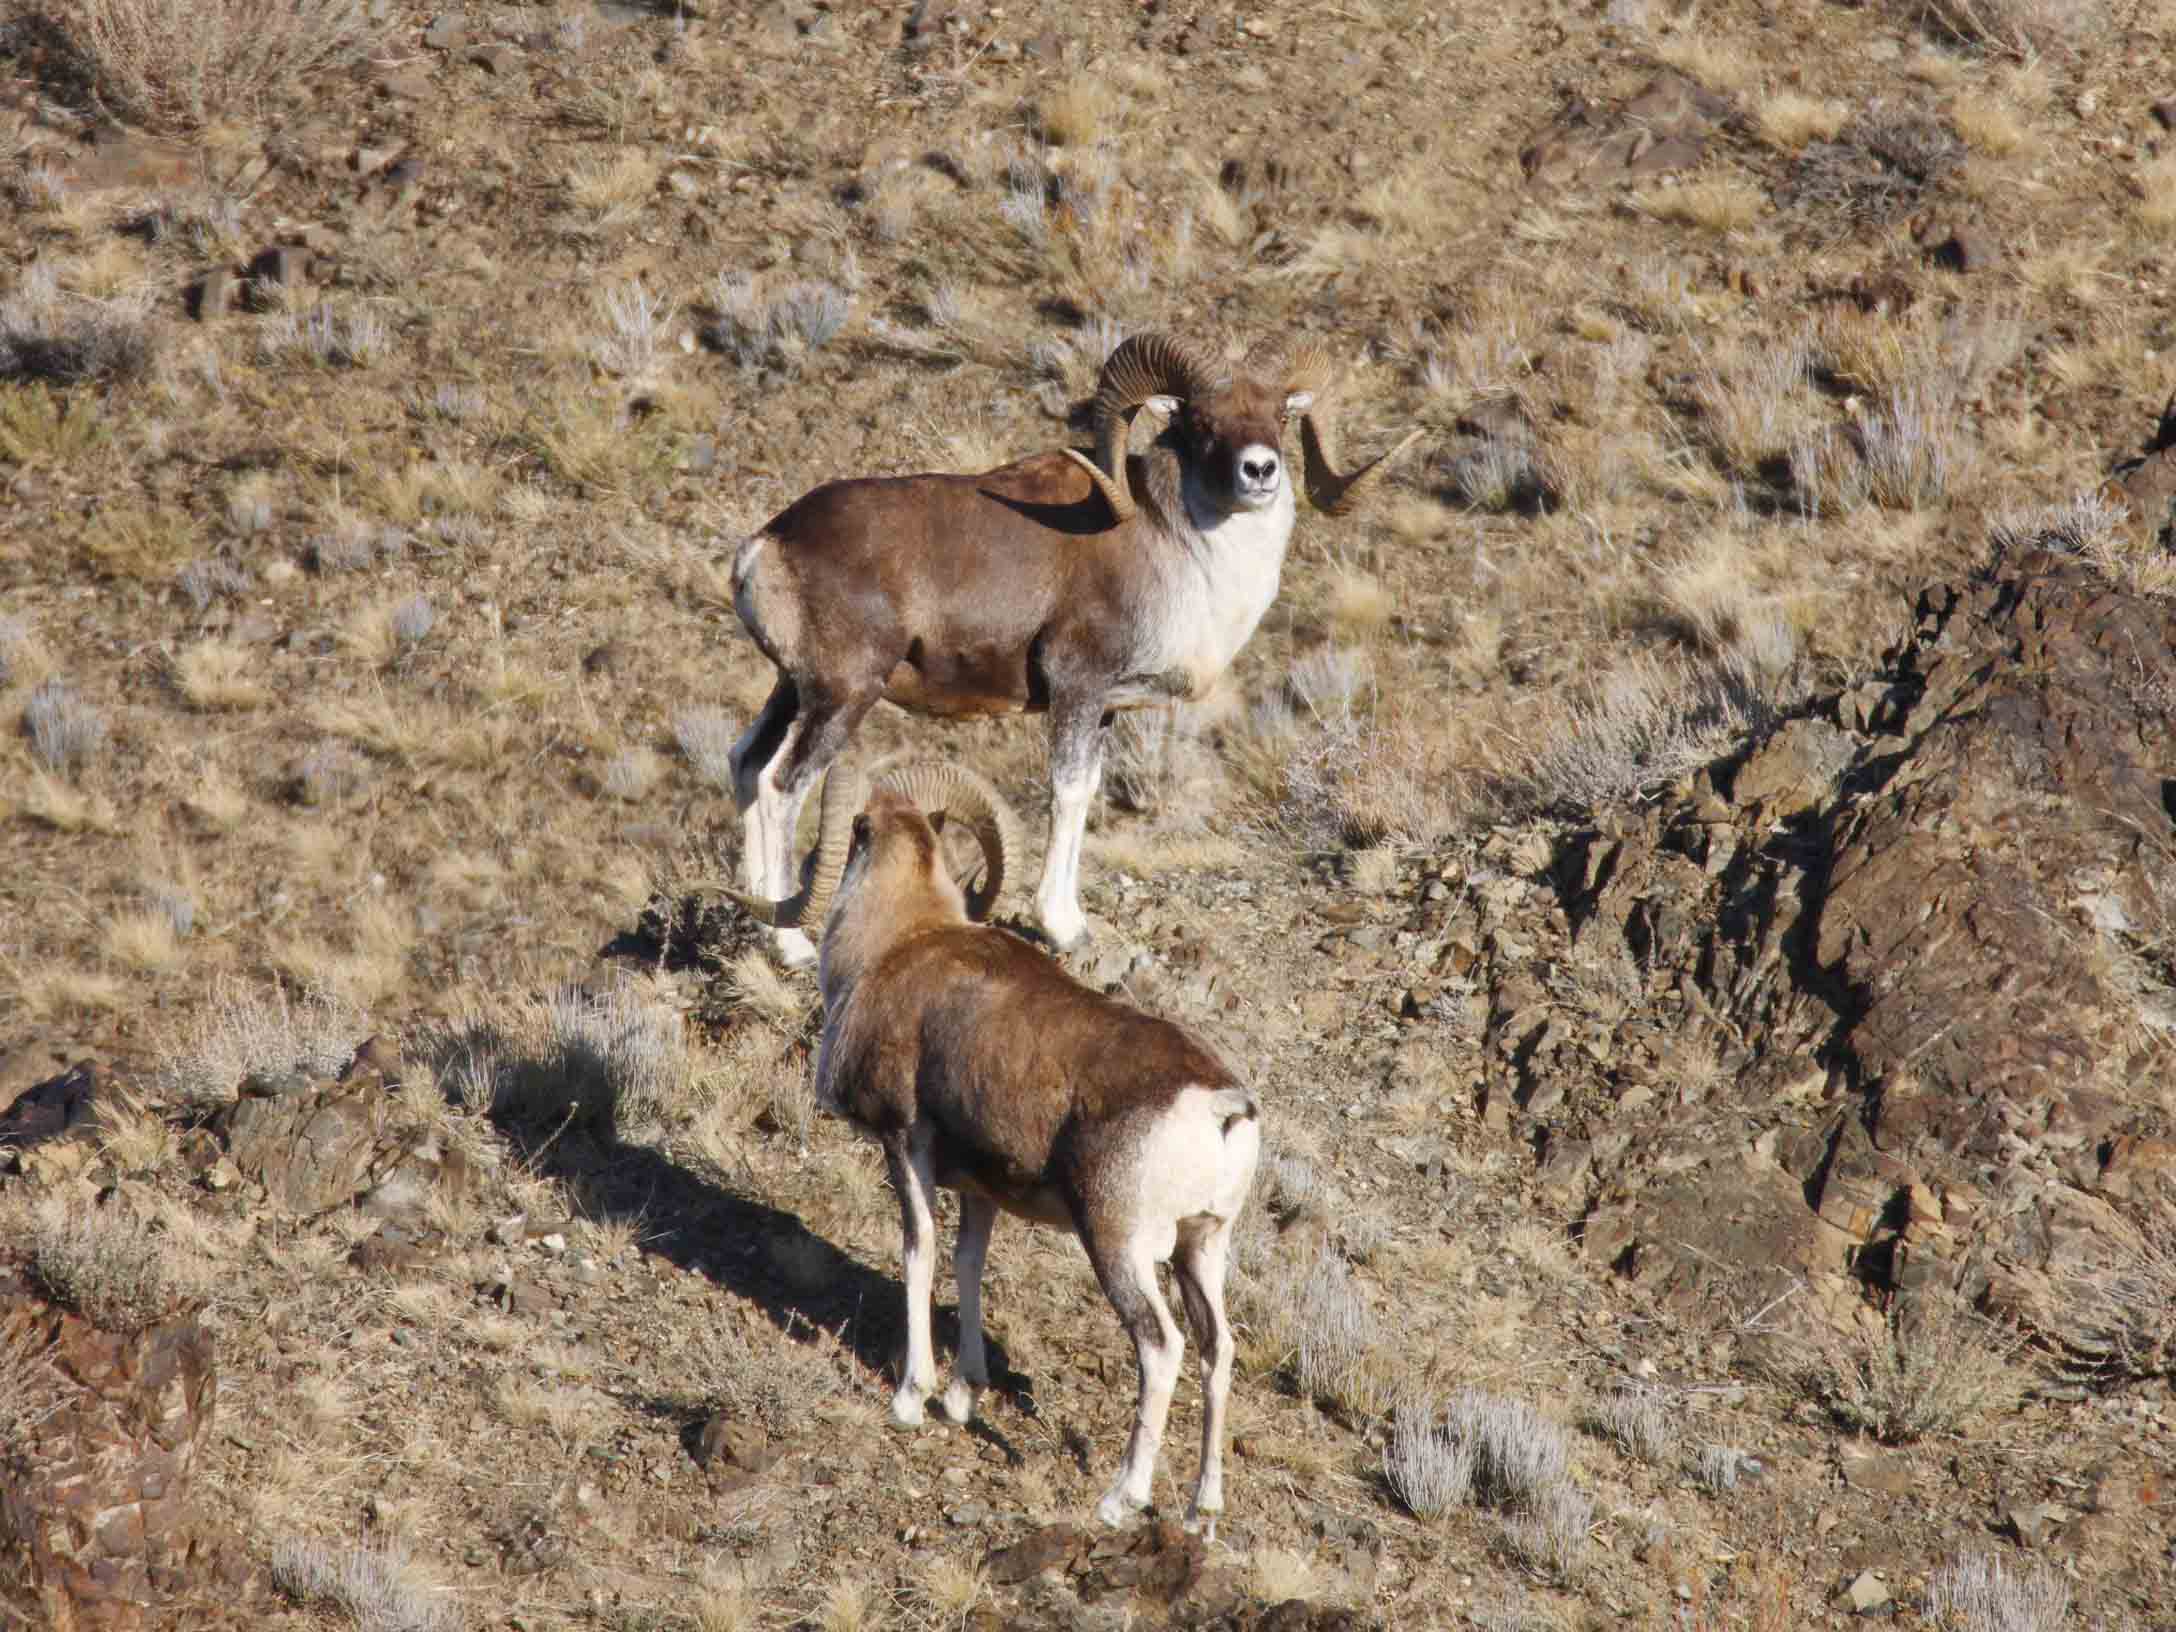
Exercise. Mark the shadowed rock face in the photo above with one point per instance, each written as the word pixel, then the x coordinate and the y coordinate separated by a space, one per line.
pixel 1923 955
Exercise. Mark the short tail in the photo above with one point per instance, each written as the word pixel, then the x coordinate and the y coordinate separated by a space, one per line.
pixel 1235 1105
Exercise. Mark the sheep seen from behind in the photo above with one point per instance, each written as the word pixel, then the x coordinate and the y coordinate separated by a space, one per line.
pixel 979 1066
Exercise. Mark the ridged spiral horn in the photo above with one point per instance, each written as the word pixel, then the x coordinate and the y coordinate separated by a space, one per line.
pixel 842 802
pixel 1147 365
pixel 957 791
pixel 1328 490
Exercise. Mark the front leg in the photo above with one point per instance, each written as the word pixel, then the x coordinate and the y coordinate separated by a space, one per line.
pixel 1076 770
pixel 913 1176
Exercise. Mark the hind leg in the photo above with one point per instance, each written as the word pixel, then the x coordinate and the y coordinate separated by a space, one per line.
pixel 1198 1267
pixel 1128 1273
pixel 971 1366
pixel 811 743
pixel 759 746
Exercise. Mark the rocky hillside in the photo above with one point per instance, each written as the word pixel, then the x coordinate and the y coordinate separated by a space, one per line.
pixel 1690 867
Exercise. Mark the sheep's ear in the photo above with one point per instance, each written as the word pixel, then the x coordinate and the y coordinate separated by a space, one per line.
pixel 1299 402
pixel 1166 406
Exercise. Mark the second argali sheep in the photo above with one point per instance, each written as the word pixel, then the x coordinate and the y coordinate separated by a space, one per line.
pixel 1055 584
pixel 980 1066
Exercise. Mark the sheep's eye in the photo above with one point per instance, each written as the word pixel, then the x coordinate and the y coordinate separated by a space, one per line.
pixel 861 830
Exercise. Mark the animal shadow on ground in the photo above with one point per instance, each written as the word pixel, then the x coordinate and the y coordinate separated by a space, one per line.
pixel 702 1222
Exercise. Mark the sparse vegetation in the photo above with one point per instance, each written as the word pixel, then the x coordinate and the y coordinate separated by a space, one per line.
pixel 1931 1369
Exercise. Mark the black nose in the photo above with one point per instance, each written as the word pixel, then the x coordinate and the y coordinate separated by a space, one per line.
pixel 1258 472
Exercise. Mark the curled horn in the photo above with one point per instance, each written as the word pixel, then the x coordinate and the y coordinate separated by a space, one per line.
pixel 842 801
pixel 959 792
pixel 1328 490
pixel 1148 365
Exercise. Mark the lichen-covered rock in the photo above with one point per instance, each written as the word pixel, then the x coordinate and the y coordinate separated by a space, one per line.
pixel 314 1145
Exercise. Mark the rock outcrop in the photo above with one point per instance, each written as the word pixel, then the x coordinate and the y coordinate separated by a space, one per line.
pixel 1906 985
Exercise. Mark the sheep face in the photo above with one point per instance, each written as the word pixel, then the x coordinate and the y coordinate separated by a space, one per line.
pixel 1229 439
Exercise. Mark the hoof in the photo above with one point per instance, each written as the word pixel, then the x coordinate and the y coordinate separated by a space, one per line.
pixel 959 1404
pixel 1117 1508
pixel 795 950
pixel 1202 1525
pixel 907 1409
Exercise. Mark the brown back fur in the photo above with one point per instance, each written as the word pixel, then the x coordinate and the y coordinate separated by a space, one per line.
pixel 1028 1078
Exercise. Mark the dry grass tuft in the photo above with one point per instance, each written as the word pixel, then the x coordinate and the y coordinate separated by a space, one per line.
pixel 1790 120
pixel 378 1588
pixel 1717 204
pixel 1078 111
pixel 214 675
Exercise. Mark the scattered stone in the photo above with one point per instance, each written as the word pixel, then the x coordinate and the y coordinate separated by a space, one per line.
pixel 212 296
pixel 2164 113
pixel 1664 128
pixel 54 1107
pixel 2033 1524
pixel 1864 1595
pixel 284 266
pixel 379 1056
pixel 405 85
pixel 446 32
pixel 742 1445
pixel 509 1231
pixel 1958 248
pixel 1885 1471
pixel 496 60
pixel 1054 1545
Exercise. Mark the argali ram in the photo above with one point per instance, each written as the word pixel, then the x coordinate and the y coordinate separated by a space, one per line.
pixel 981 1067
pixel 1057 583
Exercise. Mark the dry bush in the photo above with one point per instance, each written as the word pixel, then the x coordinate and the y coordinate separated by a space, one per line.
pixel 105 1266
pixel 1428 1469
pixel 2025 28
pixel 242 1034
pixel 1650 721
pixel 66 732
pixel 378 1587
pixel 1977 1594
pixel 615 1059
pixel 31 1389
pixel 2097 529
pixel 1550 1537
pixel 64 339
pixel 180 65
pixel 1913 448
pixel 1315 1327
pixel 1633 1419
pixel 1928 1369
